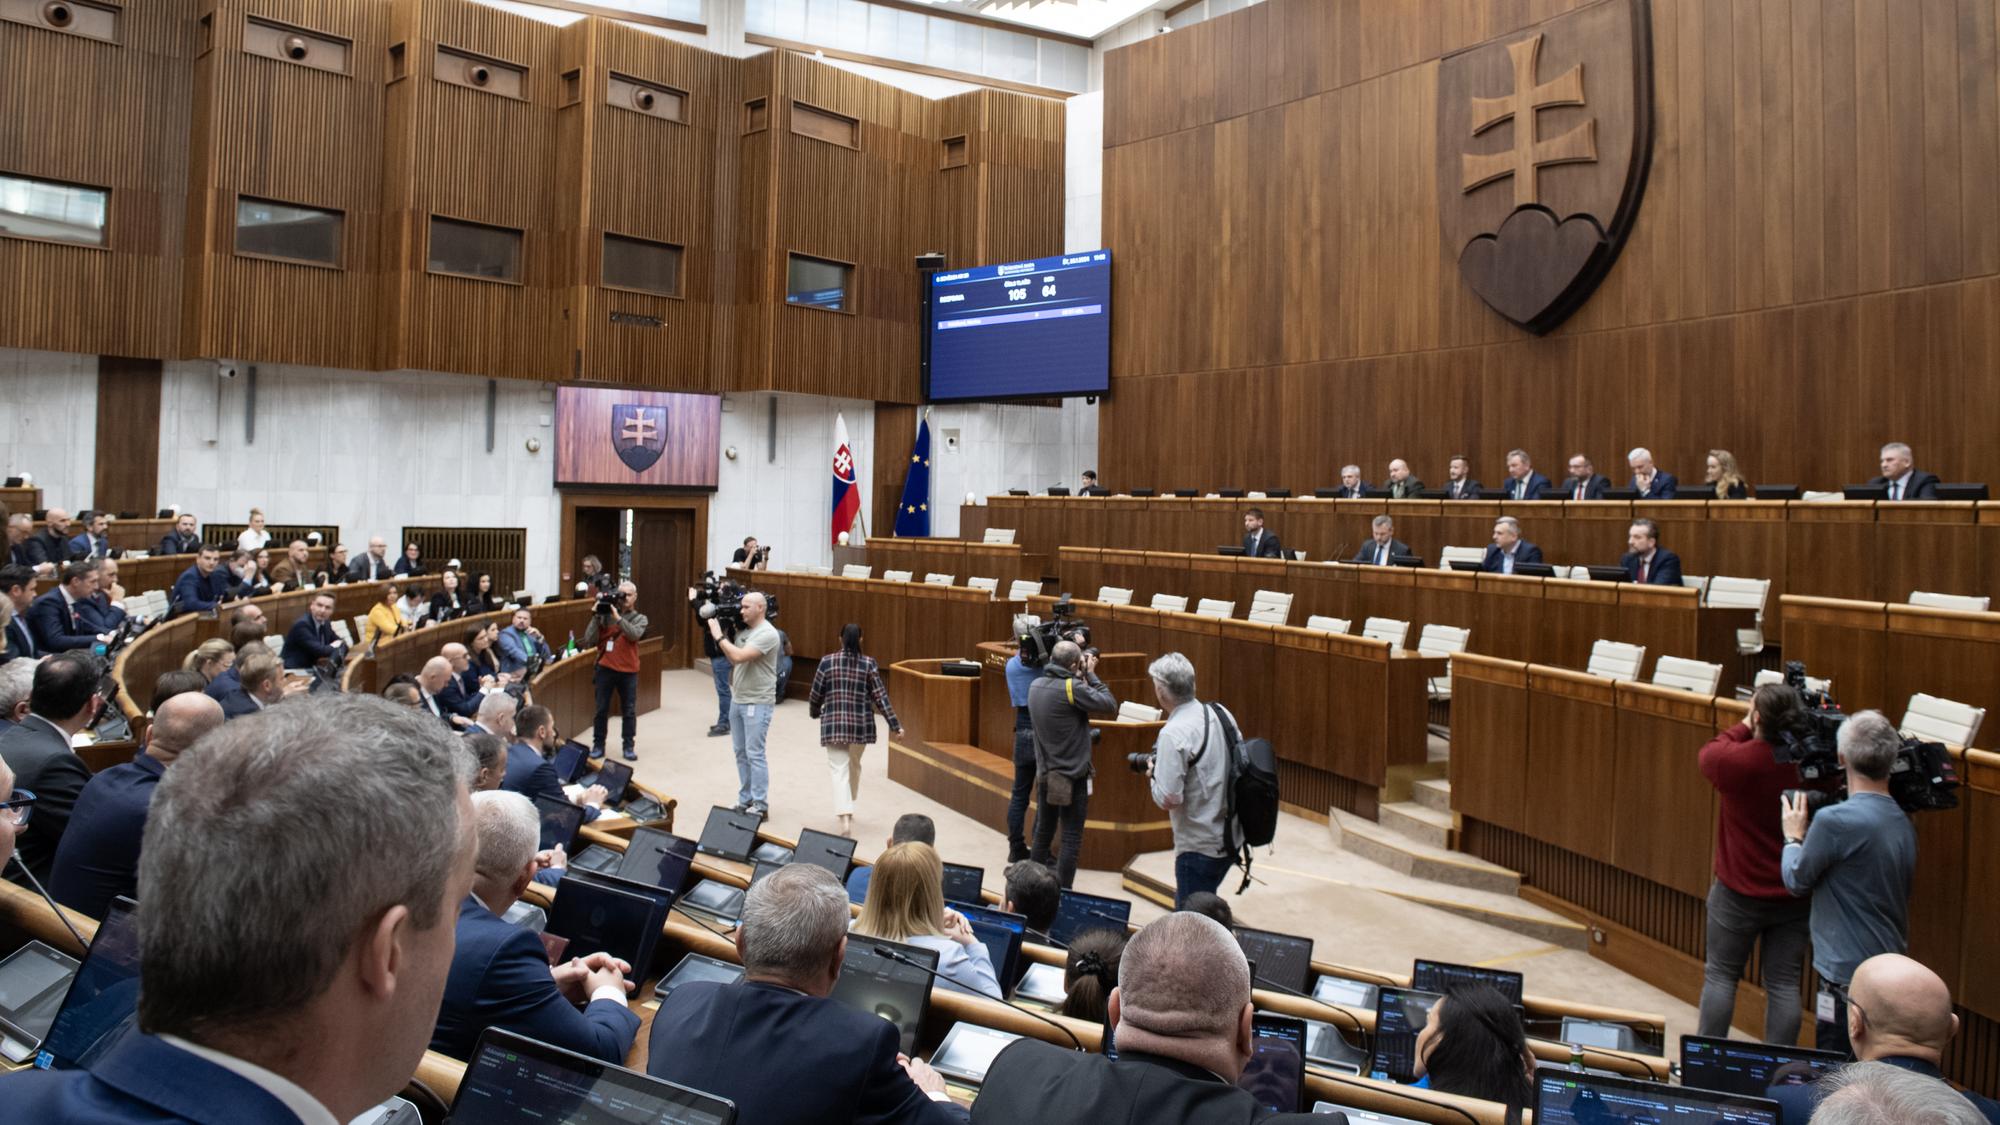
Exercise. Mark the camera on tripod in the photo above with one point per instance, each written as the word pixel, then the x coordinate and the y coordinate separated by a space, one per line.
pixel 1922 779
pixel 1037 639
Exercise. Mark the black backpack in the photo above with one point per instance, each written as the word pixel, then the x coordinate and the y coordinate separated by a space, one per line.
pixel 1250 792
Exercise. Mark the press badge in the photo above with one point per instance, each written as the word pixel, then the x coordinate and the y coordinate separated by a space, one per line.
pixel 610 644
pixel 1825 1006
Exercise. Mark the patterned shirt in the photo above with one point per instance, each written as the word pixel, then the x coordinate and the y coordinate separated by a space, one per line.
pixel 844 687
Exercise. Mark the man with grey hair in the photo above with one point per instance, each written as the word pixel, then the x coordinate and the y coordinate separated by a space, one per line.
pixel 752 653
pixel 1508 549
pixel 1060 706
pixel 1190 777
pixel 1856 861
pixel 97 859
pixel 1873 1093
pixel 1649 480
pixel 17 679
pixel 1902 478
pixel 1523 482
pixel 1182 1012
pixel 775 1044
pixel 500 973
pixel 496 715
pixel 1352 487
pixel 614 631
pixel 1382 544
pixel 303 986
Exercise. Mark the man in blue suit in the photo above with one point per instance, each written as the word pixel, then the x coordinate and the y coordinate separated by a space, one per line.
pixel 775 1044
pixel 261 682
pixel 311 997
pixel 1901 476
pixel 93 541
pixel 17 583
pixel 500 973
pixel 310 639
pixel 104 611
pixel 1648 563
pixel 54 617
pixel 521 641
pixel 1508 548
pixel 1585 482
pixel 203 586
pixel 1648 479
pixel 529 770
pixel 97 858
pixel 1523 482
pixel 461 694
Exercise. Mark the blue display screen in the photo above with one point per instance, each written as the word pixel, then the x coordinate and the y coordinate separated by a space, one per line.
pixel 1022 329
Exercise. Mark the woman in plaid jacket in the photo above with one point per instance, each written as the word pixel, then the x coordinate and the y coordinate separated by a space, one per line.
pixel 846 691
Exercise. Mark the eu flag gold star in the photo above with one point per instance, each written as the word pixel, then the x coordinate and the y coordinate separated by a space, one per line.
pixel 914 458
pixel 925 507
pixel 913 511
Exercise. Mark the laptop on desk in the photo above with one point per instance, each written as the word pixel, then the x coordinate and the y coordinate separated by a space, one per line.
pixel 1041 985
pixel 834 853
pixel 33 981
pixel 512 1080
pixel 657 858
pixel 964 884
pixel 102 1002
pixel 604 914
pixel 1284 962
pixel 967 1053
pixel 560 822
pixel 1400 1014
pixel 1078 913
pixel 711 899
pixel 695 967
pixel 1564 1097
pixel 729 834
pixel 1437 976
pixel 1732 1066
pixel 883 978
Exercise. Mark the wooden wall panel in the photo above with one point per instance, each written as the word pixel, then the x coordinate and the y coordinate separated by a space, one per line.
pixel 128 430
pixel 1810 275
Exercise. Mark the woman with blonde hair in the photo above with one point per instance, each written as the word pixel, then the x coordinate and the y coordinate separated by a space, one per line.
pixel 210 658
pixel 906 903
pixel 1726 477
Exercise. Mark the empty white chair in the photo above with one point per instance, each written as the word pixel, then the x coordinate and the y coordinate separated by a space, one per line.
pixel 1255 495
pixel 896 576
pixel 1812 497
pixel 822 571
pixel 1386 629
pixel 524 597
pixel 856 570
pixel 1022 589
pixel 1130 712
pixel 987 584
pixel 340 630
pixel 1941 720
pixel 936 579
pixel 1446 641
pixel 1451 555
pixel 1965 602
pixel 1697 676
pixel 1212 607
pixel 1173 602
pixel 1616 660
pixel 1742 593
pixel 1773 676
pixel 1001 535
pixel 1114 595
pixel 360 628
pixel 1696 582
pixel 274 642
pixel 1329 624
pixel 1270 607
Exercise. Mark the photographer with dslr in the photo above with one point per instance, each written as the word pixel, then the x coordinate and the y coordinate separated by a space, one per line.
pixel 751 555
pixel 614 630
pixel 1060 705
pixel 752 649
pixel 1856 861
pixel 1189 772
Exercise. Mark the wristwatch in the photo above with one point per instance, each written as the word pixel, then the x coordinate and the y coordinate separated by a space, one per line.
pixel 1790 841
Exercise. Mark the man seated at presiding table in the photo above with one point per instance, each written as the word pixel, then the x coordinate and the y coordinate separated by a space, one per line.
pixel 1382 544
pixel 1257 542
pixel 311 639
pixel 520 642
pixel 531 773
pixel 97 859
pixel 1352 487
pixel 1648 563
pixel 1182 1012
pixel 1585 482
pixel 500 972
pixel 311 998
pixel 57 617
pixel 1649 480
pixel 1508 548
pixel 1523 482
pixel 1461 486
pixel 1402 484
pixel 205 585
pixel 1898 1013
pixel 775 1043
pixel 1899 475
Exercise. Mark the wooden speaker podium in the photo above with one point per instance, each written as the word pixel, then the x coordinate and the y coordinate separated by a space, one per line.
pixel 957 748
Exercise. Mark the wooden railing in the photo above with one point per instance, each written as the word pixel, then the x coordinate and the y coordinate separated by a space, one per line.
pixel 406 653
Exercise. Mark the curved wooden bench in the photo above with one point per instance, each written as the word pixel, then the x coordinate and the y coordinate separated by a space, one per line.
pixel 407 652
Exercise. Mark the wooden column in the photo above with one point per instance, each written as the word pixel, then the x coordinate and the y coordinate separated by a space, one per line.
pixel 128 435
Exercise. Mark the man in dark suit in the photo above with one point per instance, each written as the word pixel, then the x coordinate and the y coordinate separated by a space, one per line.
pixel 261 683
pixel 1352 487
pixel 1461 486
pixel 18 583
pixel 310 639
pixel 93 541
pixel 308 999
pixel 529 770
pixel 1899 475
pixel 1257 542
pixel 51 546
pixel 1090 487
pixel 1508 548
pixel 500 972
pixel 20 528
pixel 1403 485
pixel 435 677
pixel 1523 482
pixel 1382 544
pixel 98 858
pixel 63 701
pixel 203 587
pixel 104 610
pixel 461 694
pixel 55 619
pixel 1648 479
pixel 1585 482
pixel 1182 1011
pixel 775 1044
pixel 374 565
pixel 183 539
pixel 1648 563
pixel 17 680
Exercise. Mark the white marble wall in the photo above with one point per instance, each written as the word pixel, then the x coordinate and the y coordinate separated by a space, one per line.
pixel 48 423
pixel 1083 175
pixel 783 493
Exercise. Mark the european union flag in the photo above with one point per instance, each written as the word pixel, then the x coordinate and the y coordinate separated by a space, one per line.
pixel 913 515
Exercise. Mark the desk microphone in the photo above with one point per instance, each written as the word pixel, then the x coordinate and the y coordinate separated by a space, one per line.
pixel 905 959
pixel 1339 553
pixel 60 916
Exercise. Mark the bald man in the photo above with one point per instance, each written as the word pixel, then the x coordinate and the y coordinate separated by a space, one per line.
pixel 98 857
pixel 461 694
pixel 1403 485
pixel 1898 1013
pixel 434 678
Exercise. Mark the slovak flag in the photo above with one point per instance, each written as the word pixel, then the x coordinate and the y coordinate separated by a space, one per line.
pixel 846 494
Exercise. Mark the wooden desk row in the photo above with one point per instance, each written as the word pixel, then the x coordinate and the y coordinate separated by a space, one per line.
pixel 962 559
pixel 407 652
pixel 125 535
pixel 567 689
pixel 160 572
pixel 1840 549
pixel 1592 790
pixel 899 620
pixel 1879 655
pixel 21 498
pixel 1548 621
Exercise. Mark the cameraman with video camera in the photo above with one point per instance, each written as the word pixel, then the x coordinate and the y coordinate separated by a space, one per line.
pixel 751 646
pixel 1060 706
pixel 614 630
pixel 1856 861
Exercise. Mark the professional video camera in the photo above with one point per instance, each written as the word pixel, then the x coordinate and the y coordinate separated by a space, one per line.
pixel 1036 641
pixel 722 600
pixel 1922 779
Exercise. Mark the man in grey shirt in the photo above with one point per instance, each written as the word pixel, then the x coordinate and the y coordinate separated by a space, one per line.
pixel 1190 775
pixel 1856 862
pixel 753 690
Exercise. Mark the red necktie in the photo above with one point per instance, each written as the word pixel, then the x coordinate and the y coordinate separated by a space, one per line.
pixel 1642 572
pixel 1579 490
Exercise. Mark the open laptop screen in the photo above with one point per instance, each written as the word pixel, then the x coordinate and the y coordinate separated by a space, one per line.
pixel 103 1000
pixel 1002 933
pixel 1080 913
pixel 1283 961
pixel 729 834
pixel 1732 1066
pixel 1436 976
pixel 1564 1097
pixel 601 919
pixel 657 858
pixel 560 822
pixel 880 985
pixel 824 849
pixel 1400 1013
pixel 569 760
pixel 33 980
pixel 511 1079
pixel 962 883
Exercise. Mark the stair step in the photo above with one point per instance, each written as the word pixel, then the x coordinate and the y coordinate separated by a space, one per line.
pixel 1413 857
pixel 1418 822
pixel 1433 794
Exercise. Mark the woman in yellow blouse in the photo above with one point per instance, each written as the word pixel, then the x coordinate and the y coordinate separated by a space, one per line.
pixel 383 620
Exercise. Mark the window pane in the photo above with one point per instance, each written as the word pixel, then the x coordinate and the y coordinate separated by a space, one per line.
pixel 818 282
pixel 282 230
pixel 57 212
pixel 475 250
pixel 634 263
